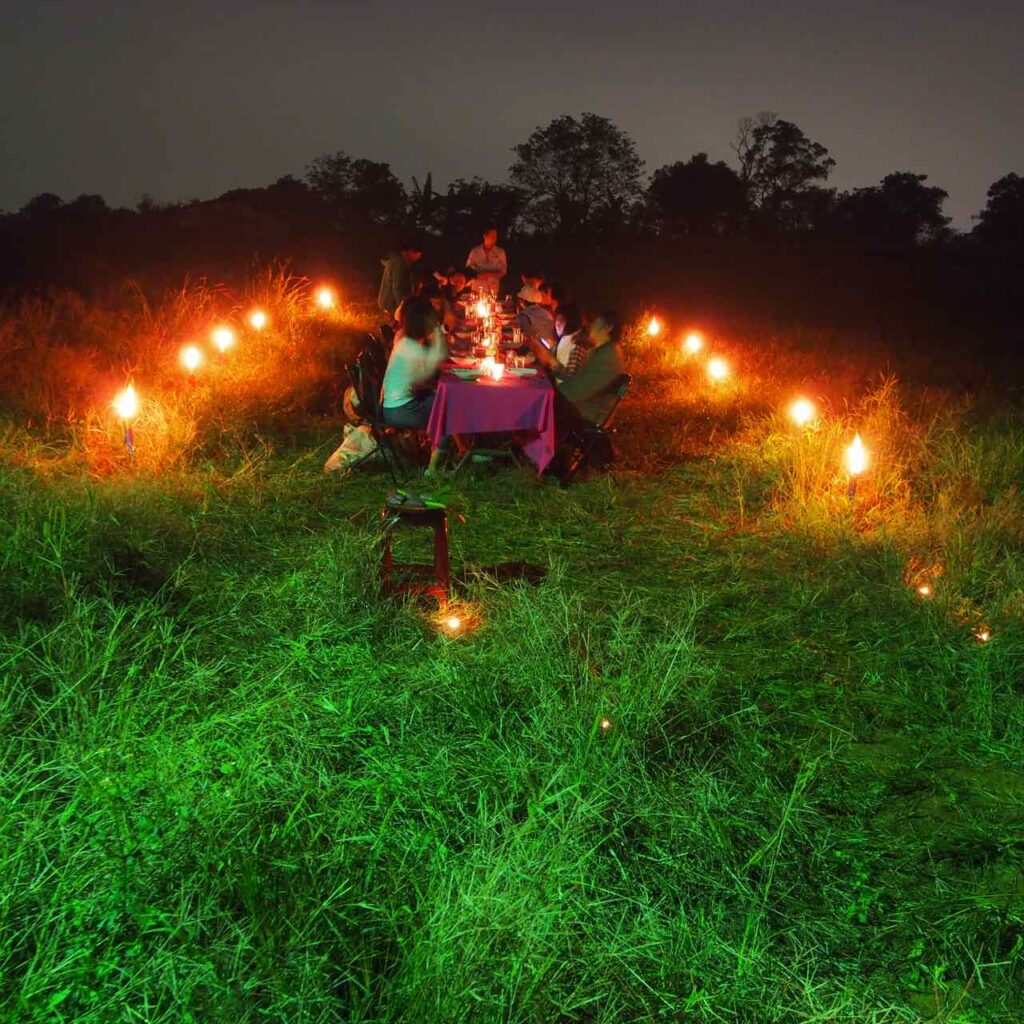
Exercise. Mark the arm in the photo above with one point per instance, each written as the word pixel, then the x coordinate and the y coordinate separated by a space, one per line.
pixel 592 378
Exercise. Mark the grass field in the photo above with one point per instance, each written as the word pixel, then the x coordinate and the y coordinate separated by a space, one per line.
pixel 713 758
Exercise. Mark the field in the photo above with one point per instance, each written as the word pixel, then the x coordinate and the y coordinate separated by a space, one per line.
pixel 708 751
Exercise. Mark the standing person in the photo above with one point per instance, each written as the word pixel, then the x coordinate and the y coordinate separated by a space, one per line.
pixel 397 283
pixel 488 261
pixel 407 395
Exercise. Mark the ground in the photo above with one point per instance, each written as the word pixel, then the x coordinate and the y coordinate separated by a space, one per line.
pixel 706 752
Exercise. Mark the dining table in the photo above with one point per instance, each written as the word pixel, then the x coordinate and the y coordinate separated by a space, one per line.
pixel 470 404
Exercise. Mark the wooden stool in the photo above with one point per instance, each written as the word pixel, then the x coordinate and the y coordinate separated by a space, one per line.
pixel 428 580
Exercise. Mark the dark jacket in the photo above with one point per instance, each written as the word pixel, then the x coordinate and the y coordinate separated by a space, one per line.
pixel 396 284
pixel 590 387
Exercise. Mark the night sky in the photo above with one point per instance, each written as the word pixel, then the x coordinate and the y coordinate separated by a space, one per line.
pixel 184 100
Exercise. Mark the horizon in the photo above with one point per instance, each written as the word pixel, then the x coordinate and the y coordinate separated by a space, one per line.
pixel 191 104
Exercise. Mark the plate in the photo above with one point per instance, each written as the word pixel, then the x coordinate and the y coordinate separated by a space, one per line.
pixel 467 374
pixel 523 371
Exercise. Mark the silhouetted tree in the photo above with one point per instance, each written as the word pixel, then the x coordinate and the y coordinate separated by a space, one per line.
pixel 358 190
pixel 901 212
pixel 41 207
pixel 575 171
pixel 696 198
pixel 470 206
pixel 1001 222
pixel 780 168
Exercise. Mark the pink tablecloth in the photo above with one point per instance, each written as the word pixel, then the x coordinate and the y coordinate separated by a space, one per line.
pixel 512 404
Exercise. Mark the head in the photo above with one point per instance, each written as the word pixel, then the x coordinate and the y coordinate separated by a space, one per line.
pixel 606 327
pixel 568 319
pixel 531 279
pixel 431 291
pixel 490 237
pixel 458 280
pixel 411 250
pixel 417 317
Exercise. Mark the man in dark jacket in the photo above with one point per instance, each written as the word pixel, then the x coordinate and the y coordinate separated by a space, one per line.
pixel 588 394
pixel 397 283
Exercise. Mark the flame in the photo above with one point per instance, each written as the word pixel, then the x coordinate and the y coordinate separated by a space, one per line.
pixel 257 319
pixel 126 404
pixel 482 309
pixel 606 724
pixel 856 457
pixel 325 298
pixel 802 411
pixel 983 634
pixel 223 338
pixel 925 590
pixel 694 342
pixel 654 327
pixel 718 368
pixel 496 370
pixel 452 624
pixel 191 358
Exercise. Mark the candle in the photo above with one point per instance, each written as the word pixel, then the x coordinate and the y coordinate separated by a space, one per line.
pixel 257 319
pixel 126 405
pixel 856 462
pixel 718 368
pixel 654 327
pixel 802 412
pixel 325 298
pixel 223 338
pixel 694 343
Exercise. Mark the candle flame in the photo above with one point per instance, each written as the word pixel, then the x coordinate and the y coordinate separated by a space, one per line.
pixel 654 327
pixel 925 590
pixel 983 634
pixel 856 457
pixel 223 338
pixel 126 404
pixel 497 370
pixel 258 319
pixel 606 724
pixel 694 342
pixel 482 309
pixel 453 624
pixel 191 358
pixel 325 298
pixel 718 368
pixel 802 412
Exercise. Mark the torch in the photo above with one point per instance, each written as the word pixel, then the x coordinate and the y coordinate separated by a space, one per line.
pixel 856 463
pixel 126 405
pixel 191 359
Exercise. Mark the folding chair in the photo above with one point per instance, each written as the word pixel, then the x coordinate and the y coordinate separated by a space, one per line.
pixel 367 383
pixel 593 443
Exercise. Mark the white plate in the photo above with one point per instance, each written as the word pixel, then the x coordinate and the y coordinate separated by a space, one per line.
pixel 523 371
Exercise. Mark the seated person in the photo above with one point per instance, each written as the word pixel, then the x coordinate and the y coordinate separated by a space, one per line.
pixel 572 344
pixel 432 291
pixel 586 397
pixel 419 349
pixel 535 317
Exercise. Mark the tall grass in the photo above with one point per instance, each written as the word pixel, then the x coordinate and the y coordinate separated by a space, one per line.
pixel 721 763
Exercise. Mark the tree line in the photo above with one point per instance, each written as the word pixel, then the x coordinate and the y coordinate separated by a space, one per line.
pixel 575 178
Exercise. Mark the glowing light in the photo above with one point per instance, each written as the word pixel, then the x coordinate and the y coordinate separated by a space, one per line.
pixel 497 370
pixel 606 724
pixel 718 368
pixel 856 457
pixel 654 327
pixel 802 412
pixel 983 634
pixel 223 338
pixel 925 590
pixel 325 298
pixel 452 624
pixel 483 309
pixel 191 358
pixel 487 364
pixel 257 319
pixel 126 404
pixel 693 343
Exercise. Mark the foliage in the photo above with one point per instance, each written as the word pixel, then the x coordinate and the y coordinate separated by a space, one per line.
pixel 576 171
pixel 781 168
pixel 1001 222
pixel 358 190
pixel 697 198
pixel 901 212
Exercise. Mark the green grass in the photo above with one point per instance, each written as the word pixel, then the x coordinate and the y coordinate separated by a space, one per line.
pixel 238 785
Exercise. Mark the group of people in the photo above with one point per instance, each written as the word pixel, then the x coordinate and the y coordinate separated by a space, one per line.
pixel 584 358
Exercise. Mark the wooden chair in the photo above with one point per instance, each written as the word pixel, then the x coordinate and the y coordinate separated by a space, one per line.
pixel 432 581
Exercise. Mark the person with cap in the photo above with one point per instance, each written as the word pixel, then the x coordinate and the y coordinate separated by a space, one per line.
pixel 534 317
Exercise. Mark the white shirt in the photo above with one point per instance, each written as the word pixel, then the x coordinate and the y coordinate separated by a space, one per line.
pixel 410 364
pixel 488 261
pixel 566 347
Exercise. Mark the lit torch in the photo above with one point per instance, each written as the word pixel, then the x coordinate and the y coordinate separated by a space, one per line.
pixel 856 463
pixel 653 327
pixel 191 359
pixel 325 298
pixel 223 338
pixel 126 405
pixel 693 343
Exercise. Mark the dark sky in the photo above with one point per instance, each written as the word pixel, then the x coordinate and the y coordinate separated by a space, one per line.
pixel 185 100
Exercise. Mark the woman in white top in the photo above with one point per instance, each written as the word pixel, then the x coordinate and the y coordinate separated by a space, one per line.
pixel 419 349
